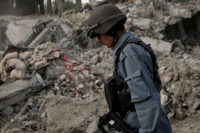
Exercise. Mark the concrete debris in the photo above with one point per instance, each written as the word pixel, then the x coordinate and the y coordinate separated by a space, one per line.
pixel 180 79
pixel 18 30
pixel 30 116
pixel 19 74
pixel 151 17
pixel 158 45
pixel 37 81
pixel 13 93
pixel 63 76
pixel 176 11
pixel 142 23
pixel 36 30
pixel 39 38
pixel 42 54
pixel 19 64
pixel 5 58
pixel 25 55
pixel 8 111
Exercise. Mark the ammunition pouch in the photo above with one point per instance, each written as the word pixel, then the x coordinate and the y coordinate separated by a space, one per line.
pixel 117 94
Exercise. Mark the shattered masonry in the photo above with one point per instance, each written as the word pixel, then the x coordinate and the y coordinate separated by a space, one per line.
pixel 60 76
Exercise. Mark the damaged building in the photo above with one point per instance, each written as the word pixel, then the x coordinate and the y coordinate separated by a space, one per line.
pixel 59 75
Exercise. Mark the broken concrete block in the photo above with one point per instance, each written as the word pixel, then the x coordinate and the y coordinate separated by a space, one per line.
pixel 178 12
pixel 53 71
pixel 5 58
pixel 16 63
pixel 142 23
pixel 163 98
pixel 67 28
pixel 80 86
pixel 25 55
pixel 17 31
pixel 40 38
pixel 56 54
pixel 158 45
pixel 19 74
pixel 36 81
pixel 14 92
pixel 62 77
pixel 95 59
pixel 8 111
pixel 196 105
pixel 1 53
pixel 86 73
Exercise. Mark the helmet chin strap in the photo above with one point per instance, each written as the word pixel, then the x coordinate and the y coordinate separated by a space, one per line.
pixel 115 36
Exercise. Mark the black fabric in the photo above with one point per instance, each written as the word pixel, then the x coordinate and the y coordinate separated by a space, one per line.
pixel 117 95
pixel 111 94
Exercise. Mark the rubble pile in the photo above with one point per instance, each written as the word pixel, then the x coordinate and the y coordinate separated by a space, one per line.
pixel 71 77
pixel 180 75
pixel 31 118
pixel 59 31
pixel 148 18
pixel 62 80
pixel 85 74
pixel 19 64
pixel 35 31
pixel 77 19
pixel 83 77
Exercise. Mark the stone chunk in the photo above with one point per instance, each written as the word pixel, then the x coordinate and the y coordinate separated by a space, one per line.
pixel 13 92
pixel 158 45
pixel 18 30
pixel 143 23
pixel 8 111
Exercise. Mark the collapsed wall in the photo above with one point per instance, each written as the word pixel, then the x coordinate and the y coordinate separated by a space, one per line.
pixel 79 80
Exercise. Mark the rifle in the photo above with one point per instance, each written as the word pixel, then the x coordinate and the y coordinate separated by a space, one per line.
pixel 113 120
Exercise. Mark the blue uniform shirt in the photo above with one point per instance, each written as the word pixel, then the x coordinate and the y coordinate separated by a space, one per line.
pixel 136 68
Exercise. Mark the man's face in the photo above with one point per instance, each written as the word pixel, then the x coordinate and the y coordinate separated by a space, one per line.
pixel 107 40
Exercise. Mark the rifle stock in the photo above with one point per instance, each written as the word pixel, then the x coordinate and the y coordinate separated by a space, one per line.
pixel 118 125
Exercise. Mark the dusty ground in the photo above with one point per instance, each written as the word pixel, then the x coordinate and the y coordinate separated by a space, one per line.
pixel 66 113
pixel 186 126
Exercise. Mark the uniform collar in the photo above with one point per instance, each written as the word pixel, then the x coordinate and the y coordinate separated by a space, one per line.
pixel 121 41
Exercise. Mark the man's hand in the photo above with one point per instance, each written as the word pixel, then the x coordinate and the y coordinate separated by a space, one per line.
pixel 103 120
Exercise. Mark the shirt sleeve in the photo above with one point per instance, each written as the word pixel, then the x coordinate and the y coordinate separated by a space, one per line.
pixel 142 93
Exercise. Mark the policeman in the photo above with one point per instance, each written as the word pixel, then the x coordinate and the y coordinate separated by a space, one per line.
pixel 135 66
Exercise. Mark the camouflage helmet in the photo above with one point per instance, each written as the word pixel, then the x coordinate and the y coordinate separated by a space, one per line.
pixel 103 18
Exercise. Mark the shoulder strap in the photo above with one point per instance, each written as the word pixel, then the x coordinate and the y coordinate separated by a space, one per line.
pixel 148 48
pixel 115 74
pixel 119 51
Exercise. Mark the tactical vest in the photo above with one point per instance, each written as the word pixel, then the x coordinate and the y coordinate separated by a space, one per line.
pixel 116 90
